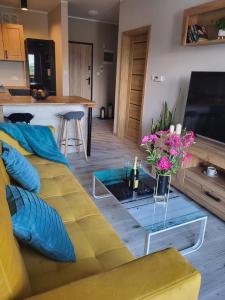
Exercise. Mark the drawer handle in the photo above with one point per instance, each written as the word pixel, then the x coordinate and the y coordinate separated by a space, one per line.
pixel 213 197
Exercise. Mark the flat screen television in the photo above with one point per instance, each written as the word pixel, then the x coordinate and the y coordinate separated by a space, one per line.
pixel 205 108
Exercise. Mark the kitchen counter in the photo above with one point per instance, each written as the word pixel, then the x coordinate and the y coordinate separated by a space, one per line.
pixel 46 111
pixel 58 100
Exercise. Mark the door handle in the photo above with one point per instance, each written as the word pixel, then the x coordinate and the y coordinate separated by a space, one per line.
pixel 88 80
pixel 6 54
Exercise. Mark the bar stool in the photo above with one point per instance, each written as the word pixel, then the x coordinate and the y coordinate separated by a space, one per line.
pixel 72 117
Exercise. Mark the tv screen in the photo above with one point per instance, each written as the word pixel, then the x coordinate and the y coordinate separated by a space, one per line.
pixel 205 109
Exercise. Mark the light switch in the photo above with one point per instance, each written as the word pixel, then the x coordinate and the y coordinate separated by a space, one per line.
pixel 157 78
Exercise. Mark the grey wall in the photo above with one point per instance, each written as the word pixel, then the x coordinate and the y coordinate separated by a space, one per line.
pixel 103 36
pixel 166 55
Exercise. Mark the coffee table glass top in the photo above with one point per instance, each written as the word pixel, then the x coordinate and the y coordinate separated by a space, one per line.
pixel 116 182
pixel 152 216
pixel 156 216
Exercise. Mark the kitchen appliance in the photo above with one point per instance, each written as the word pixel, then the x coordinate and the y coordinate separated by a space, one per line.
pixel 41 64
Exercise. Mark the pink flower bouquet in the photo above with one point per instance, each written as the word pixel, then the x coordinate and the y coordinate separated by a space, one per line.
pixel 167 152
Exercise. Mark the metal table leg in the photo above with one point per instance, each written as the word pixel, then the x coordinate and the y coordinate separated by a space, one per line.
pixel 200 239
pixel 147 243
pixel 89 129
pixel 94 190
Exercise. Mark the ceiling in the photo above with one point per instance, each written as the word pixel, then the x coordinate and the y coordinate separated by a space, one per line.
pixel 46 5
pixel 108 10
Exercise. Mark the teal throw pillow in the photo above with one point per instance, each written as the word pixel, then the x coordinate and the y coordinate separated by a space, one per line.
pixel 20 169
pixel 38 225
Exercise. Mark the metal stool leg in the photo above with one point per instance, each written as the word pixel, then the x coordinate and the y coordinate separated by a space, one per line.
pixel 82 138
pixel 67 138
pixel 76 131
pixel 61 134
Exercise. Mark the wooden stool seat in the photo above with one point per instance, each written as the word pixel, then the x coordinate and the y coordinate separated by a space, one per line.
pixel 67 118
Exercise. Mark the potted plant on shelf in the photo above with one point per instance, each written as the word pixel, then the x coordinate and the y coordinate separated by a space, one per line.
pixel 220 24
pixel 167 152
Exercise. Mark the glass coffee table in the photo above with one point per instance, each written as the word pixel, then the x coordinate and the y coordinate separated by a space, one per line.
pixel 154 217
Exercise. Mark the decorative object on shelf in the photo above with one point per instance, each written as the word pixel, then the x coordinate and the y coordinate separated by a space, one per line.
pixel 196 33
pixel 167 152
pixel 166 119
pixel 220 25
pixel 40 94
pixel 178 129
pixel 102 113
pixel 211 172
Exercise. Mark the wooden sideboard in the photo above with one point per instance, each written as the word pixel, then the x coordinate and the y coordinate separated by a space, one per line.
pixel 208 192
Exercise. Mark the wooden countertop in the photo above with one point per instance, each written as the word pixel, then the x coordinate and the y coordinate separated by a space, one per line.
pixel 51 100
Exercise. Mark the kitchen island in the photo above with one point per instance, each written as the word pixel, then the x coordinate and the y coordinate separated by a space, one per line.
pixel 45 111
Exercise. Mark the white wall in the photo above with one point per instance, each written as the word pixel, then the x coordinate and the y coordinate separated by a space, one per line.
pixel 35 26
pixel 103 36
pixel 58 31
pixel 166 55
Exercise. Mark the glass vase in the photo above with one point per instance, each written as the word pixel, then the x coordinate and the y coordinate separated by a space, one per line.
pixel 162 189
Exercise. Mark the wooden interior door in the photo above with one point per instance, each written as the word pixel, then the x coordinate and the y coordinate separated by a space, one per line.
pixel 1 44
pixel 80 62
pixel 13 41
pixel 137 70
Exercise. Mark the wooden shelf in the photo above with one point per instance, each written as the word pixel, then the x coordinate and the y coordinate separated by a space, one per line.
pixel 206 15
pixel 209 192
pixel 203 43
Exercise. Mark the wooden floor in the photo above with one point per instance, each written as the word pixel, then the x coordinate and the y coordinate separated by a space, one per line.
pixel 109 152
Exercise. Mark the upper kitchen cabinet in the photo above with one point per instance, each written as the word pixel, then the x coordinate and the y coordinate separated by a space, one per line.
pixel 12 39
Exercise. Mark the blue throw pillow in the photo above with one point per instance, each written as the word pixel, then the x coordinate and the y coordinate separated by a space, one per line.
pixel 20 169
pixel 38 225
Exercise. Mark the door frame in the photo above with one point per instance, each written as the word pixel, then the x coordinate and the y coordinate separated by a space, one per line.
pixel 92 61
pixel 89 127
pixel 123 92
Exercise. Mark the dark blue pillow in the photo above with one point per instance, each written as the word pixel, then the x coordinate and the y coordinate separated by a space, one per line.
pixel 20 169
pixel 38 225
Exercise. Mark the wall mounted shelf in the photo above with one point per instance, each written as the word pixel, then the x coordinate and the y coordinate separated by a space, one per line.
pixel 205 15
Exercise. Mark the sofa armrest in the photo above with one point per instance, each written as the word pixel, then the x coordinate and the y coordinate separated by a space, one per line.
pixel 160 276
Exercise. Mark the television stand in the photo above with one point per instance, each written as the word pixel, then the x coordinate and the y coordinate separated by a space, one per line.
pixel 208 192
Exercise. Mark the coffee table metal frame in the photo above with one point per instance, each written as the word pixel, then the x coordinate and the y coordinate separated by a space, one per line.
pixel 195 247
pixel 149 234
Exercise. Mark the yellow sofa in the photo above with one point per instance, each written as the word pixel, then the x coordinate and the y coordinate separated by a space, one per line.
pixel 105 269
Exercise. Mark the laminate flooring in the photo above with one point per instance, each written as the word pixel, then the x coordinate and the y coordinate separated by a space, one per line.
pixel 110 152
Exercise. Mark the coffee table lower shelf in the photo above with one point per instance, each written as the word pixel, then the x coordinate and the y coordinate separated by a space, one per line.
pixel 193 248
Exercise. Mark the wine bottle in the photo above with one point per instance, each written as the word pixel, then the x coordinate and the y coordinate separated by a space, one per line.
pixel 134 176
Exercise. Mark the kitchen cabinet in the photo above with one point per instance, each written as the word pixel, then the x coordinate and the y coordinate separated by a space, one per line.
pixel 12 42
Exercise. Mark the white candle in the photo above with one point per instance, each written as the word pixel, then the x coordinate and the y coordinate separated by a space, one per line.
pixel 172 128
pixel 178 129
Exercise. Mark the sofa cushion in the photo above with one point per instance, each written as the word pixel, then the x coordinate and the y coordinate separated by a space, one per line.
pixel 38 225
pixel 98 248
pixel 19 168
